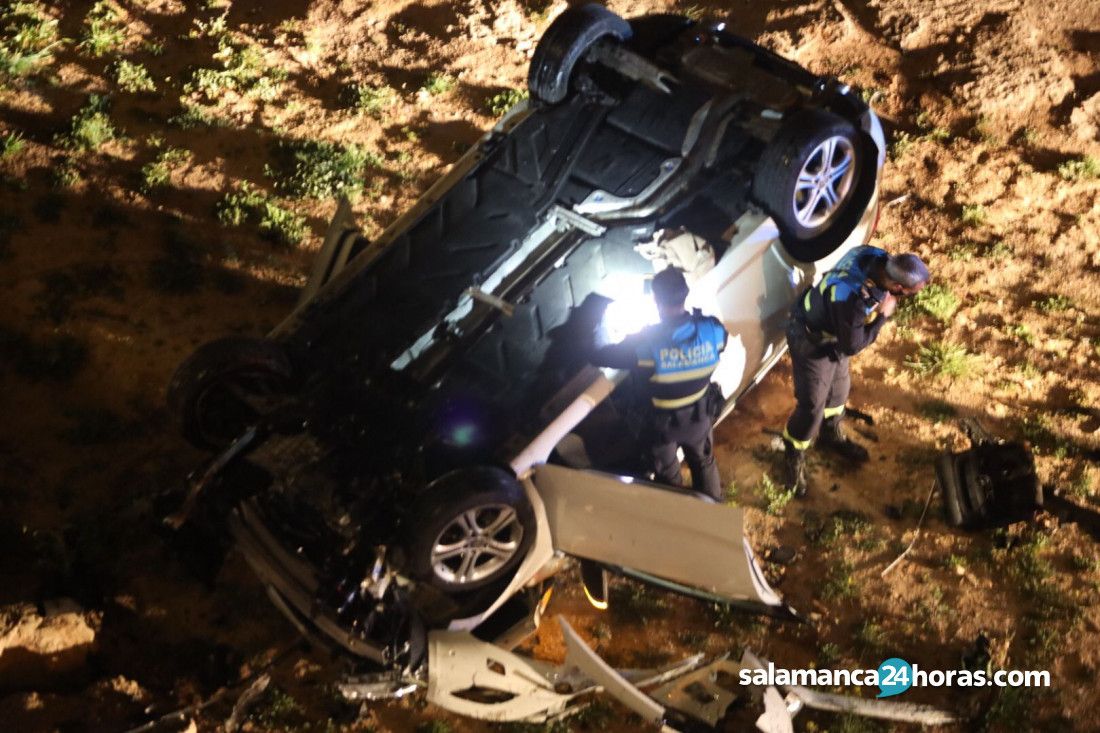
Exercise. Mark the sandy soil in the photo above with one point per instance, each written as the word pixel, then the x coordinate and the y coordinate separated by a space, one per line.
pixel 107 286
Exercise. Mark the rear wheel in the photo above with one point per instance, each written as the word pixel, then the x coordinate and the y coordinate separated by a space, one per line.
pixel 213 395
pixel 564 43
pixel 469 529
pixel 816 178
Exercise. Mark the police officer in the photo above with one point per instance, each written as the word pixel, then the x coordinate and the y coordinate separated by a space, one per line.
pixel 830 322
pixel 677 357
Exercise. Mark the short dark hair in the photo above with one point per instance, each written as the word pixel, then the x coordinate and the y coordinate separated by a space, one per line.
pixel 907 270
pixel 669 287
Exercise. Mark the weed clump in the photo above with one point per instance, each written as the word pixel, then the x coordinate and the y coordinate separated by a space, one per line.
pixel 368 99
pixel 500 103
pixel 776 496
pixel 11 144
pixel 91 126
pixel 438 83
pixel 246 204
pixel 935 300
pixel 27 39
pixel 973 215
pixel 943 358
pixel 104 31
pixel 158 172
pixel 320 169
pixel 1083 168
pixel 133 78
pixel 242 70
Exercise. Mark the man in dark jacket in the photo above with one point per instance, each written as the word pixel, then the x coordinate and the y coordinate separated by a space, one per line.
pixel 831 322
pixel 677 357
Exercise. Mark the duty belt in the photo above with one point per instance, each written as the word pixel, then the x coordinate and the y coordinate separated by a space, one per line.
pixel 816 337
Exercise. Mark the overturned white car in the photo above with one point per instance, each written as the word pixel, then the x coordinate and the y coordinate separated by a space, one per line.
pixel 411 456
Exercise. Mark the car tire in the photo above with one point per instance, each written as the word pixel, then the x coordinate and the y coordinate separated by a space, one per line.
pixel 815 179
pixel 564 43
pixel 205 392
pixel 949 489
pixel 468 529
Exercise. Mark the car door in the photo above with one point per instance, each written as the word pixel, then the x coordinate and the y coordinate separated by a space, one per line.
pixel 653 532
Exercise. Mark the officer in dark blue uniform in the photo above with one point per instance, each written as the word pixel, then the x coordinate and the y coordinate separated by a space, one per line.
pixel 677 357
pixel 831 322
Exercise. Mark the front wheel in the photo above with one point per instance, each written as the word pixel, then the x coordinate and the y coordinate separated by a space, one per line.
pixel 816 177
pixel 565 43
pixel 468 529
pixel 214 394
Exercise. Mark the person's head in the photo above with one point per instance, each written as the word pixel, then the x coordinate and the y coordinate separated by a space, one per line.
pixel 904 275
pixel 670 290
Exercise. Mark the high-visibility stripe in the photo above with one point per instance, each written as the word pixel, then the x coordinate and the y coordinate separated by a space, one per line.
pixel 687 376
pixel 597 604
pixel 833 411
pixel 646 363
pixel 682 402
pixel 806 302
pixel 798 444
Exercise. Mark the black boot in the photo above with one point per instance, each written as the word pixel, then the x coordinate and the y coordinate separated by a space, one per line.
pixel 833 439
pixel 794 469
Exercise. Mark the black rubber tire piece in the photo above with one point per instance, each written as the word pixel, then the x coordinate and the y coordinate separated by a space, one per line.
pixel 971 483
pixel 210 379
pixel 443 501
pixel 564 43
pixel 782 161
pixel 949 490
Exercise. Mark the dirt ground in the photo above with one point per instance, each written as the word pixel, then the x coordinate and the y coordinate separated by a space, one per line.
pixel 112 271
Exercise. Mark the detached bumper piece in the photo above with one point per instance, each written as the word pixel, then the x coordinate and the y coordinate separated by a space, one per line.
pixel 480 680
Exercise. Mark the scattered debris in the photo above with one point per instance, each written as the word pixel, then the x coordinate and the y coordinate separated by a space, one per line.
pixel 916 534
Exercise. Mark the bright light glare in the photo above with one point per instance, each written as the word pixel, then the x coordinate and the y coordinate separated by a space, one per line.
pixel 630 310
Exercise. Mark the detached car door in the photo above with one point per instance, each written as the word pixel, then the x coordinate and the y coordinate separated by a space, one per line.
pixel 656 533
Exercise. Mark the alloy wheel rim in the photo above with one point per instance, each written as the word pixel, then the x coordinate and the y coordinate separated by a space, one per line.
pixel 476 544
pixel 824 182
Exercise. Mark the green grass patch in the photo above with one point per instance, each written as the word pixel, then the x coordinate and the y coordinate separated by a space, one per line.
pixel 90 127
pixel 320 169
pixel 194 117
pixel 368 99
pixel 935 300
pixel 843 525
pixel 500 103
pixel 1021 333
pixel 839 582
pixel 11 144
pixel 974 215
pixel 133 77
pixel 438 83
pixel 157 173
pixel 1054 303
pixel 1082 168
pixel 943 358
pixel 248 205
pixel 242 70
pixel 104 31
pixel 632 601
pixel 776 496
pixel 28 37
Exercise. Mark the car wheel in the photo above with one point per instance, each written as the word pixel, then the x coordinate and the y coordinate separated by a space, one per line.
pixel 468 529
pixel 813 181
pixel 564 43
pixel 213 393
pixel 947 476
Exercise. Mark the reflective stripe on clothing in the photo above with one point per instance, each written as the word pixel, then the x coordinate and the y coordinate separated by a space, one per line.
pixel 676 404
pixel 683 353
pixel 833 411
pixel 798 444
